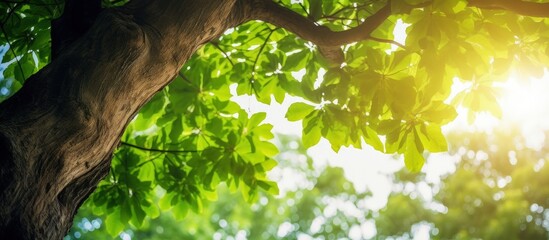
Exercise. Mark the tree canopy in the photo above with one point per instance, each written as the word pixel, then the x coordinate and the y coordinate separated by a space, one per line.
pixel 359 87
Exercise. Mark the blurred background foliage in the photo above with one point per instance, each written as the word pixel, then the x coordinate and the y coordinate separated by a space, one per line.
pixel 498 191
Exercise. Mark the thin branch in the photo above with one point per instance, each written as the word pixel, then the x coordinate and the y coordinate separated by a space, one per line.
pixel 122 143
pixel 387 41
pixel 180 74
pixel 148 161
pixel 252 79
pixel 532 9
pixel 263 47
pixel 338 19
pixel 304 9
pixel 216 45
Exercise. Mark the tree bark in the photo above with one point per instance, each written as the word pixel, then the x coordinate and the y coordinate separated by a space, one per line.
pixel 58 133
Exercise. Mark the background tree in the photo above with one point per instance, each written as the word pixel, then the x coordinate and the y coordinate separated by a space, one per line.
pixel 494 193
pixel 60 126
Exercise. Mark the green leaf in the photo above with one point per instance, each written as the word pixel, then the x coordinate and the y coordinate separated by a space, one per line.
pixel 113 223
pixel 125 211
pixel 312 126
pixel 269 186
pixel 252 158
pixel 439 113
pixel 298 111
pixel 413 158
pixel 24 68
pixel 177 130
pixel 138 211
pixel 431 137
pixel 180 210
pixel 267 165
pixel 296 61
pixel 372 139
pixel 267 148
pixel 315 9
pixel 165 202
pixel 256 119
pixel 388 126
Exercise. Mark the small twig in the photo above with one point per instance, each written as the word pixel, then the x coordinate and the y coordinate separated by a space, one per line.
pixel 122 143
pixel 188 81
pixel 387 41
pixel 252 79
pixel 216 45
pixel 148 161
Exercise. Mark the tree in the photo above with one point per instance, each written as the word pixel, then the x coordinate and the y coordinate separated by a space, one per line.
pixel 60 127
pixel 497 191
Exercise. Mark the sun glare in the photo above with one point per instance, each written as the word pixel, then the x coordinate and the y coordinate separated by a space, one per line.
pixel 524 105
pixel 524 101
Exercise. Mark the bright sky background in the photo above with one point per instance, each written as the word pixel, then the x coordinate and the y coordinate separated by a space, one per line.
pixel 524 103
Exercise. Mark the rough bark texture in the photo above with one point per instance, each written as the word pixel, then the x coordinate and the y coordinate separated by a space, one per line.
pixel 58 133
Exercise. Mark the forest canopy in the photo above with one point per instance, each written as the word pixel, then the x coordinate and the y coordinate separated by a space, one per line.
pixel 357 84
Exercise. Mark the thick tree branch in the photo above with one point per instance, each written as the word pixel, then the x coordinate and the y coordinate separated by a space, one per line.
pixel 532 9
pixel 333 53
pixel 269 11
pixel 328 41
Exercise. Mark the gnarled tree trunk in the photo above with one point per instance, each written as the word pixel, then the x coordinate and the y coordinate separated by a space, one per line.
pixel 58 133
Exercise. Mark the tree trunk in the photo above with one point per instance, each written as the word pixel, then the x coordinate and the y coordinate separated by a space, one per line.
pixel 58 133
